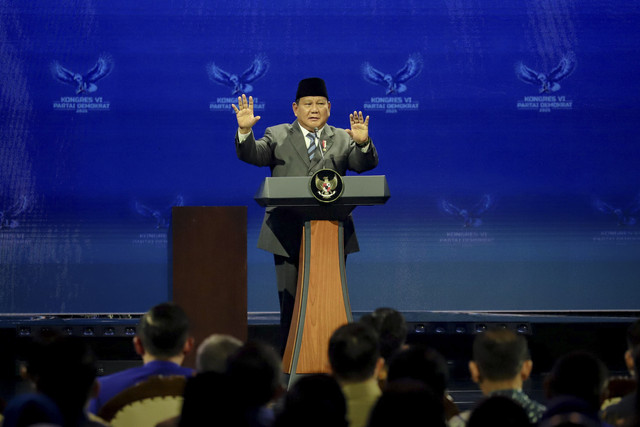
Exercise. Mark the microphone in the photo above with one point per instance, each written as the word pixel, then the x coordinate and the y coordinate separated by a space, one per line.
pixel 315 133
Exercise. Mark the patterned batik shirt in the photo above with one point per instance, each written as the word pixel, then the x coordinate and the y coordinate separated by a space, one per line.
pixel 533 408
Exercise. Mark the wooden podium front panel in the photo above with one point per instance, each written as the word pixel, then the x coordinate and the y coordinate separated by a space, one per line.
pixel 325 304
pixel 210 269
pixel 320 306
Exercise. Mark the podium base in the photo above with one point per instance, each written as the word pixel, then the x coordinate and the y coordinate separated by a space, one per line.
pixel 322 299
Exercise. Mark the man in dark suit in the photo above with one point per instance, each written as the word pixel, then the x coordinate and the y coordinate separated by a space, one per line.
pixel 301 149
pixel 162 340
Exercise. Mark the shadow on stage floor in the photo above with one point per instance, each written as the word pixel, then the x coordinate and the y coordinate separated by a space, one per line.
pixel 550 335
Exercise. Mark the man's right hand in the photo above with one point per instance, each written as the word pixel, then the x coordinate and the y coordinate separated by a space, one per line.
pixel 244 114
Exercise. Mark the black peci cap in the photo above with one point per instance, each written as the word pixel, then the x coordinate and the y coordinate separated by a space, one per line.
pixel 313 86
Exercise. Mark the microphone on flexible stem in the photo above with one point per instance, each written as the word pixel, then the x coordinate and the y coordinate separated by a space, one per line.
pixel 315 133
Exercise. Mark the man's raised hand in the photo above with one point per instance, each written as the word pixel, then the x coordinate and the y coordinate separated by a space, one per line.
pixel 244 114
pixel 359 131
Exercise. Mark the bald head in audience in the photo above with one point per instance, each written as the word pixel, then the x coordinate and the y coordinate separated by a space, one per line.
pixel 214 351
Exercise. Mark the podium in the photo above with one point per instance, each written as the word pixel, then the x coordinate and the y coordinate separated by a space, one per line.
pixel 209 269
pixel 322 298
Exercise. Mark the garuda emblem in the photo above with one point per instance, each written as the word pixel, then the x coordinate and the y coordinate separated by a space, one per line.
pixel 326 185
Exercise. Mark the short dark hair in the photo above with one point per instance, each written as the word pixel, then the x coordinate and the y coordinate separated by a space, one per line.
pixel 633 335
pixel 420 363
pixel 313 400
pixel 391 328
pixel 636 361
pixel 354 352
pixel 254 372
pixel 64 369
pixel 163 330
pixel 499 354
pixel 407 402
pixel 579 374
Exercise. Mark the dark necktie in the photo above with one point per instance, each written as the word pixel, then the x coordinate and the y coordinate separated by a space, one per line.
pixel 312 146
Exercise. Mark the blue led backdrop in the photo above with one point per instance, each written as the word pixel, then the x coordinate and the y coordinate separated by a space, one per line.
pixel 508 132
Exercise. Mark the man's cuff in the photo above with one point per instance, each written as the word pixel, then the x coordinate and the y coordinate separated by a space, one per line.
pixel 364 147
pixel 242 136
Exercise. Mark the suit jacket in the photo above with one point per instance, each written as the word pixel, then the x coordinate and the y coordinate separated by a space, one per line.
pixel 284 150
pixel 111 385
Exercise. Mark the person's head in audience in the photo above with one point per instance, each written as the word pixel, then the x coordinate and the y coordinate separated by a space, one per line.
pixel 162 340
pixel 633 341
pixel 427 365
pixel 163 334
pixel 255 374
pixel 407 402
pixel 616 407
pixel 620 406
pixel 636 359
pixel 626 412
pixel 354 353
pixel 498 411
pixel 315 400
pixel 214 351
pixel 354 356
pixel 572 419
pixel 391 328
pixel 420 363
pixel 210 386
pixel 64 369
pixel 501 360
pixel 31 409
pixel 579 375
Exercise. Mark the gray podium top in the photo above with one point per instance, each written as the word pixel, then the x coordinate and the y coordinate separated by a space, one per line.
pixel 295 191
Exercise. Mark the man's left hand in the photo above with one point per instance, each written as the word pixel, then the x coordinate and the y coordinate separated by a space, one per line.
pixel 359 131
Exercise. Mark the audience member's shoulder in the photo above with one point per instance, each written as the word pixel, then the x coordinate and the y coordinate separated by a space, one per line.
pixel 499 411
pixel 618 413
pixel 459 420
pixel 118 374
pixel 95 421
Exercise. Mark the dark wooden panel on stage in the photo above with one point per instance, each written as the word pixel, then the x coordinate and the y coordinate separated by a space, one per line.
pixel 210 269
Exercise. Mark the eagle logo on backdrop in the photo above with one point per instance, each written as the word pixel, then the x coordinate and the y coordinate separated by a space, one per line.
pixel 9 216
pixel 239 83
pixel 548 82
pixel 624 217
pixel 161 215
pixel 394 84
pixel 84 83
pixel 470 217
pixel 326 185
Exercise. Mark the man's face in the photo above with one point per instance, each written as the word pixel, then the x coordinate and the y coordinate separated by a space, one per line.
pixel 312 111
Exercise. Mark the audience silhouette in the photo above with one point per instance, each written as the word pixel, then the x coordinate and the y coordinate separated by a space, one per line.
pixel 376 380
